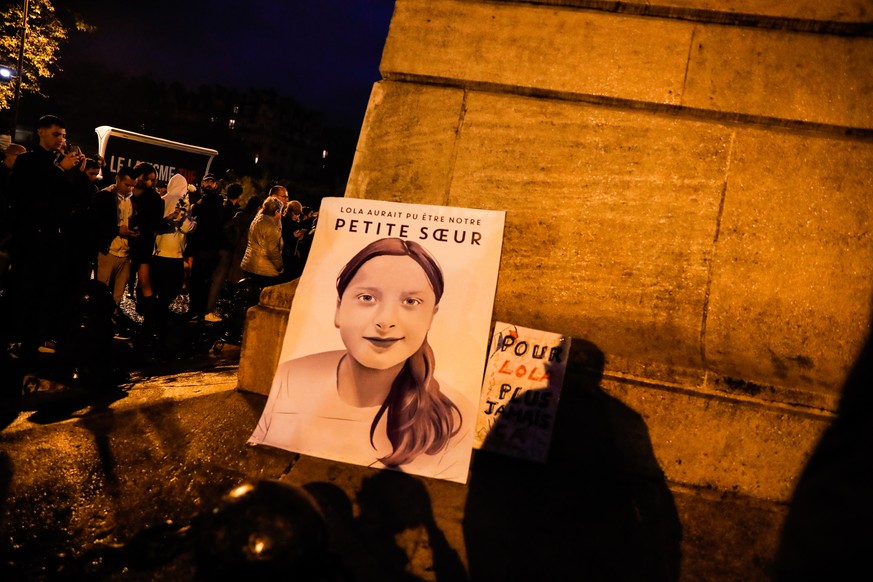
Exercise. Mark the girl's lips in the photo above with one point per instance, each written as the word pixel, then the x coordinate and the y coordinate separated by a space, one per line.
pixel 383 342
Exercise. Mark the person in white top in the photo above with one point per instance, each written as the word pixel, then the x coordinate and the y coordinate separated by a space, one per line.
pixel 110 219
pixel 167 267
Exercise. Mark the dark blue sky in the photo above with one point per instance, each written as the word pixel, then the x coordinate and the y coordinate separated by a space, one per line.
pixel 323 53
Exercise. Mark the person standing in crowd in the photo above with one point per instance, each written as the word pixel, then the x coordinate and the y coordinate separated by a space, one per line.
pixel 91 169
pixel 238 233
pixel 279 192
pixel 41 188
pixel 262 261
pixel 102 177
pixel 205 243
pixel 307 232
pixel 168 263
pixel 291 233
pixel 80 264
pixel 148 212
pixel 225 250
pixel 10 154
pixel 109 221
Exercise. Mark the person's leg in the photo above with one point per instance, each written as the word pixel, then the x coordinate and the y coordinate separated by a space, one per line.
pixel 5 261
pixel 106 272
pixel 24 295
pixel 144 282
pixel 131 281
pixel 105 269
pixel 54 298
pixel 72 289
pixel 163 286
pixel 125 327
pixel 189 263
pixel 5 307
pixel 121 276
pixel 217 285
pixel 201 277
pixel 145 301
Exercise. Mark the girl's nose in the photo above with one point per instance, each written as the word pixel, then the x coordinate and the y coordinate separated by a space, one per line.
pixel 386 317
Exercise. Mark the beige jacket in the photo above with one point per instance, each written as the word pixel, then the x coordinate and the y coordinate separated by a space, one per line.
pixel 264 251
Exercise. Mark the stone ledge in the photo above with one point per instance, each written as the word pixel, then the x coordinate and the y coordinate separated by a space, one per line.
pixel 834 17
pixel 262 337
pixel 672 62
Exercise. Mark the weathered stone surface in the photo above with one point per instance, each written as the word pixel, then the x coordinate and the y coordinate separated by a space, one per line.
pixel 624 212
pixel 790 302
pixel 835 11
pixel 403 126
pixel 726 444
pixel 522 46
pixel 611 221
pixel 786 75
pixel 583 54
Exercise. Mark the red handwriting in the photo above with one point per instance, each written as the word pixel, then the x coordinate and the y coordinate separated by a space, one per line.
pixel 521 371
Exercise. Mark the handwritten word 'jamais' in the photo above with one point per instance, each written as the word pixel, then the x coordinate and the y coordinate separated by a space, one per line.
pixel 521 406
pixel 399 230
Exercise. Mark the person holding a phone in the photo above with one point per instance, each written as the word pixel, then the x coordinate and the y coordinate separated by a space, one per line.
pixel 42 188
pixel 109 223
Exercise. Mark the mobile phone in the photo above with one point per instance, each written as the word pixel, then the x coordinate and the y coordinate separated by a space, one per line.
pixel 73 149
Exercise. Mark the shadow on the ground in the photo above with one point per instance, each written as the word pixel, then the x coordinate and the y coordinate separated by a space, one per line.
pixel 823 536
pixel 51 387
pixel 598 509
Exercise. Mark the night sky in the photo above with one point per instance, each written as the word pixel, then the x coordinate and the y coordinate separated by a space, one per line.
pixel 323 53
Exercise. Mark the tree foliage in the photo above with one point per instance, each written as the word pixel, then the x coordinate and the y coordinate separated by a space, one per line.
pixel 45 34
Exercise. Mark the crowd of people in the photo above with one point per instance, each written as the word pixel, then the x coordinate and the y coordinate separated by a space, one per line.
pixel 149 243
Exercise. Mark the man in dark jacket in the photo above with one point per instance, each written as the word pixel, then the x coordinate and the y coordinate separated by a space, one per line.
pixel 80 254
pixel 204 243
pixel 217 285
pixel 42 189
pixel 109 221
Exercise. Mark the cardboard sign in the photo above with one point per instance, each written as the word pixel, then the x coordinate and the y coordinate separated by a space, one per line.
pixel 382 360
pixel 520 391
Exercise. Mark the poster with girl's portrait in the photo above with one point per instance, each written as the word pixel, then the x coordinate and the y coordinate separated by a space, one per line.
pixel 387 338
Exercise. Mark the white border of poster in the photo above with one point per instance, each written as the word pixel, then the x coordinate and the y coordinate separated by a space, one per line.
pixel 466 244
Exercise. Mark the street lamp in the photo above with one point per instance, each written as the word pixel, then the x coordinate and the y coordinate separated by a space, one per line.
pixel 6 74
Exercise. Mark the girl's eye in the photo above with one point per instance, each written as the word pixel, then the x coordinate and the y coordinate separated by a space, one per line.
pixel 366 298
pixel 412 301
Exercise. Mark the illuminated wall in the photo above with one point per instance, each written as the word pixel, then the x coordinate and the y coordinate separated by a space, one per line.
pixel 687 187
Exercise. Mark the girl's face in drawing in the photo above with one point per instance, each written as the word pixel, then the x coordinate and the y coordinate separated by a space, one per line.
pixel 386 311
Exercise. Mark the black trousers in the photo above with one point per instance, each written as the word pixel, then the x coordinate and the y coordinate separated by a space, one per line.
pixel 167 276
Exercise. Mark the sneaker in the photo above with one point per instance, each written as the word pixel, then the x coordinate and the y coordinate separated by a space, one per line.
pixel 212 317
pixel 48 347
